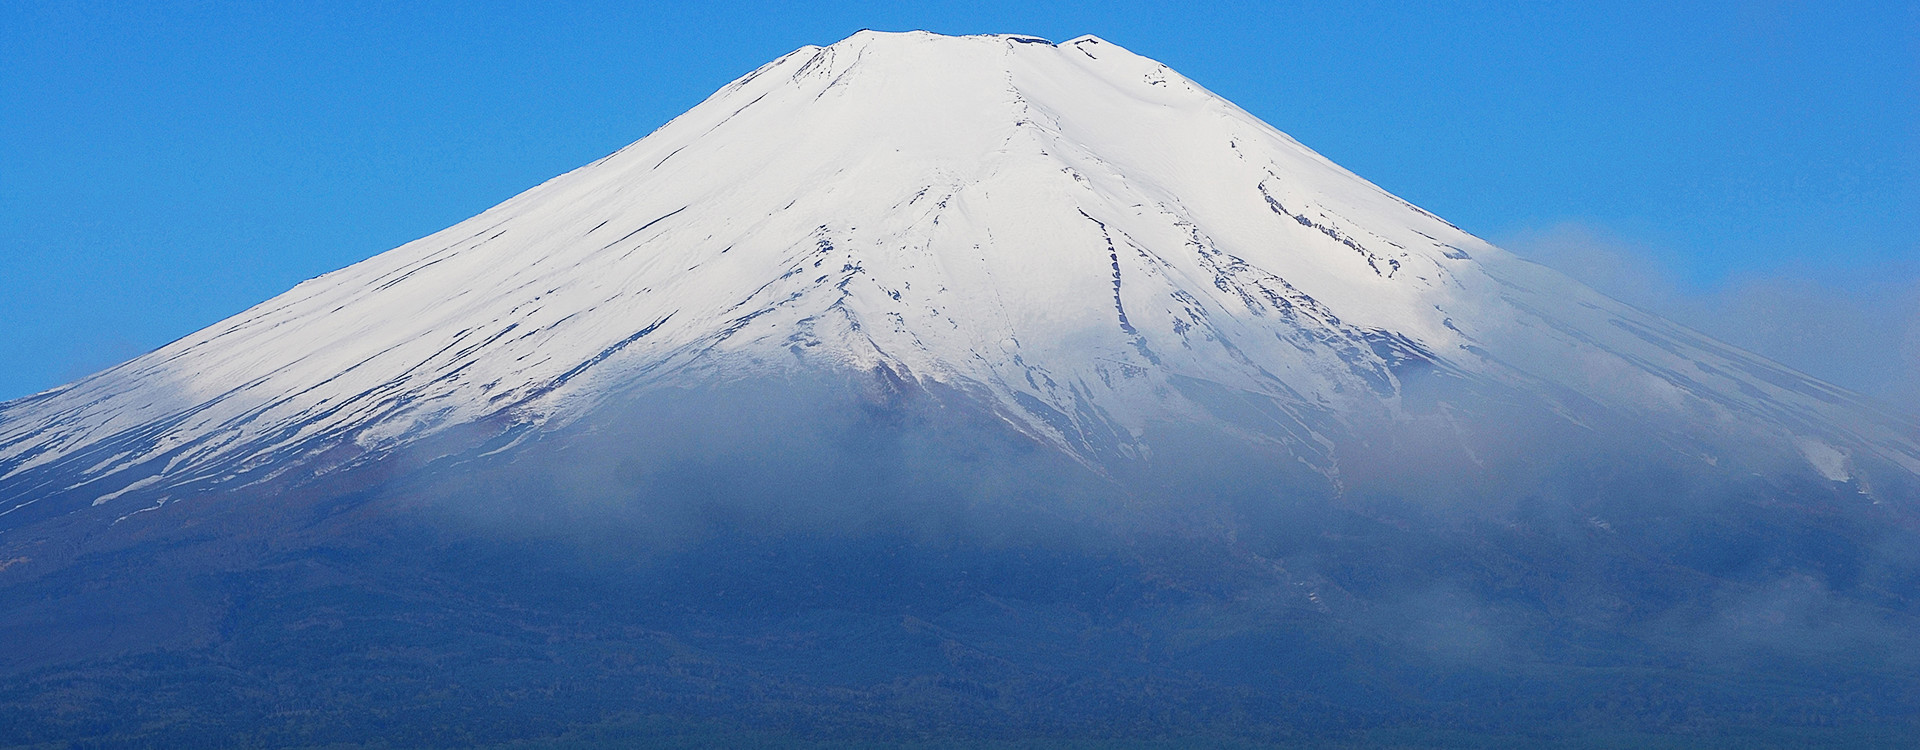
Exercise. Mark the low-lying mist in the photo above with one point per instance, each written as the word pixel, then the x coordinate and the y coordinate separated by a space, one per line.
pixel 864 555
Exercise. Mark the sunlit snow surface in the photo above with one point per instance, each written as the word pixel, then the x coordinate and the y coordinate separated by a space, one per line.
pixel 1070 231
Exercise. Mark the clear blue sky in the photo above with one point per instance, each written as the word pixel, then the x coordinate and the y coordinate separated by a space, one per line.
pixel 164 167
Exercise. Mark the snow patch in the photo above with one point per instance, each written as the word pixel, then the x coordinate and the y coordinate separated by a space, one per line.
pixel 1831 462
pixel 137 485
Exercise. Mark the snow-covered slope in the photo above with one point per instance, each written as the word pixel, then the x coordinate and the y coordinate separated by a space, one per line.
pixel 1072 232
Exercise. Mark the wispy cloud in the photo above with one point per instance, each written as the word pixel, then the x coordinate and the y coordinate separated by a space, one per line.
pixel 1855 327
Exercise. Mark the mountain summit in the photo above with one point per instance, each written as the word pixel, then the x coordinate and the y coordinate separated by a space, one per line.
pixel 1086 289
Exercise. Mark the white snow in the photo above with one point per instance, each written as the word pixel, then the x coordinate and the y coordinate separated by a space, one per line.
pixel 1050 222
pixel 1831 462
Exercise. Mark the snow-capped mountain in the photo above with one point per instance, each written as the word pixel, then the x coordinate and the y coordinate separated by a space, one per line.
pixel 1079 237
pixel 977 388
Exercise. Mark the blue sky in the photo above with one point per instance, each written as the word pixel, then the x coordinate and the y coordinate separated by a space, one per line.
pixel 1749 168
